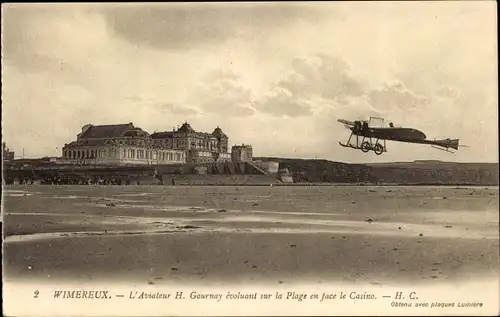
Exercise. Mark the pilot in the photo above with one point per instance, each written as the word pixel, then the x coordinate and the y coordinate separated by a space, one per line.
pixel 391 125
pixel 365 127
pixel 357 125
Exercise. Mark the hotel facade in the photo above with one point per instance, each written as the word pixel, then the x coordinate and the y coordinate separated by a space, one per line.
pixel 125 144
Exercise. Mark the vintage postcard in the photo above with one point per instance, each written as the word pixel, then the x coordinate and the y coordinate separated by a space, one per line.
pixel 250 159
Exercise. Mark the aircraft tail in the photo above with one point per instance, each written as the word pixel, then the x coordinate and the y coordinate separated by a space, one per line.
pixel 448 143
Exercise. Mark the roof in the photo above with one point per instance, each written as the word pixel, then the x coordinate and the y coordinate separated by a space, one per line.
pixel 218 133
pixel 162 135
pixel 86 142
pixel 106 131
pixel 136 132
pixel 186 128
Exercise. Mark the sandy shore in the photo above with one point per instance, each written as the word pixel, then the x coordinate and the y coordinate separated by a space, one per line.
pixel 157 235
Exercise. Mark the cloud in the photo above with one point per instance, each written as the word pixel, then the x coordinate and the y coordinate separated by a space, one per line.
pixel 311 81
pixel 322 75
pixel 317 79
pixel 222 92
pixel 173 108
pixel 135 98
pixel 186 26
pixel 161 106
pixel 280 102
pixel 68 43
pixel 395 97
pixel 447 92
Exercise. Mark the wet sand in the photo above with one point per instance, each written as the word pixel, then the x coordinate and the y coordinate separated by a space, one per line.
pixel 157 235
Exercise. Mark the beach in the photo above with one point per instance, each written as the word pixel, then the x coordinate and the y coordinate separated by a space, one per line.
pixel 211 235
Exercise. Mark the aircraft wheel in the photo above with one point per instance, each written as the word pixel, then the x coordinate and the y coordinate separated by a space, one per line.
pixel 365 147
pixel 378 149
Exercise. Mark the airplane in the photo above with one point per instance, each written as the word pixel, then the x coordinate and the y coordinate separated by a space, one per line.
pixel 365 131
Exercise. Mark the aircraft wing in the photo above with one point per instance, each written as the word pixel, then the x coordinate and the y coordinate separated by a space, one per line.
pixel 347 122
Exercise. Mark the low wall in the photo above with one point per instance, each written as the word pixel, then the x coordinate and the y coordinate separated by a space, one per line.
pixel 125 174
pixel 220 180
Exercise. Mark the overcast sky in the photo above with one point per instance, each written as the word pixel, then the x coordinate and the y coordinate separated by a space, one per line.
pixel 277 76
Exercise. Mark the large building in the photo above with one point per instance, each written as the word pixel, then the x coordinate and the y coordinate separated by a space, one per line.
pixel 124 144
pixel 199 147
pixel 119 144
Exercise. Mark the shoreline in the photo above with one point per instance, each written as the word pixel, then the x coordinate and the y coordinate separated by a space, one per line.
pixel 470 185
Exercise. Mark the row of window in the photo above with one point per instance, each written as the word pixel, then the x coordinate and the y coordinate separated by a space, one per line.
pixel 125 153
pixel 187 144
pixel 152 155
pixel 89 154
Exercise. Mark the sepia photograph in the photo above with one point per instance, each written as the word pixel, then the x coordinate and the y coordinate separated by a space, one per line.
pixel 250 158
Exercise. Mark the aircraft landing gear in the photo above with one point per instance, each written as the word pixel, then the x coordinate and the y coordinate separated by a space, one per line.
pixel 378 149
pixel 367 146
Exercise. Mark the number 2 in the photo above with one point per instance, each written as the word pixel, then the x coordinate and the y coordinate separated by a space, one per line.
pixel 36 294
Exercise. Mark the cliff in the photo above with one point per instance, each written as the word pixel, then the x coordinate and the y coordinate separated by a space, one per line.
pixel 407 173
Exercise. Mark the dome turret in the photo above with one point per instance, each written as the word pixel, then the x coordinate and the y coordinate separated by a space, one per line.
pixel 218 133
pixel 186 128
